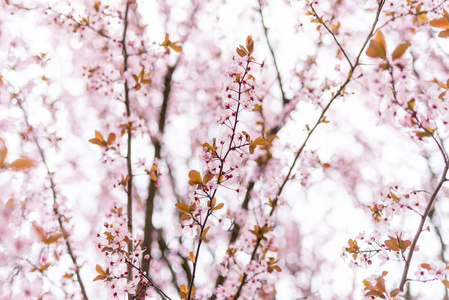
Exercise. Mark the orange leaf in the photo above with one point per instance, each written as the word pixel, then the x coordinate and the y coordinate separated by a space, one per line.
pixel 153 172
pixel 397 243
pixel 446 283
pixel 377 47
pixel 166 42
pixel 99 136
pixel 241 51
pixel 395 292
pixel 99 277
pixel 3 152
pixel 208 177
pixel 52 238
pixel 444 34
pixel 185 217
pixel 260 141
pixel 191 257
pixel 250 44
pixel 195 177
pixel 203 234
pixel 177 48
pixel 111 138
pixel 442 22
pixel 40 232
pixel 96 142
pixel 219 206
pixel 22 164
pixel 182 207
pixel 400 50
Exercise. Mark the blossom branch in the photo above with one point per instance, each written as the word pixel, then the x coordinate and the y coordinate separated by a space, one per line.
pixel 221 173
pixel 129 263
pixel 129 190
pixel 55 205
pixel 311 131
pixel 278 74
pixel 333 36
pixel 433 197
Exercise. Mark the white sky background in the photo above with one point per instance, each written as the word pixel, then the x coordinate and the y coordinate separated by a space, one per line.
pixel 329 139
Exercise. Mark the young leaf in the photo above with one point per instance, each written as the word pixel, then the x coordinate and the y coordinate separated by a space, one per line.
pixel 219 206
pixel 191 257
pixel 175 46
pixel 241 51
pixel 260 141
pixel 182 207
pixel 377 47
pixel 400 50
pixel 22 164
pixel 397 243
pixel 442 22
pixel 208 177
pixel 250 44
pixel 446 283
pixel 99 136
pixel 111 138
pixel 185 217
pixel 153 172
pixel 195 177
pixel 98 140
pixel 203 234
pixel 444 34
pixel 3 153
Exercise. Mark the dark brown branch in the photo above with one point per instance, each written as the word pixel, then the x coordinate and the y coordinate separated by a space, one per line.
pixel 129 190
pixel 149 207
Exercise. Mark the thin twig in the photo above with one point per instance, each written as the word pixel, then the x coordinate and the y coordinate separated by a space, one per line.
pixel 278 74
pixel 55 205
pixel 129 263
pixel 319 121
pixel 333 36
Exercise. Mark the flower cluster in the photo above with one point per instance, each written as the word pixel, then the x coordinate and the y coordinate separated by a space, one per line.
pixel 114 243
